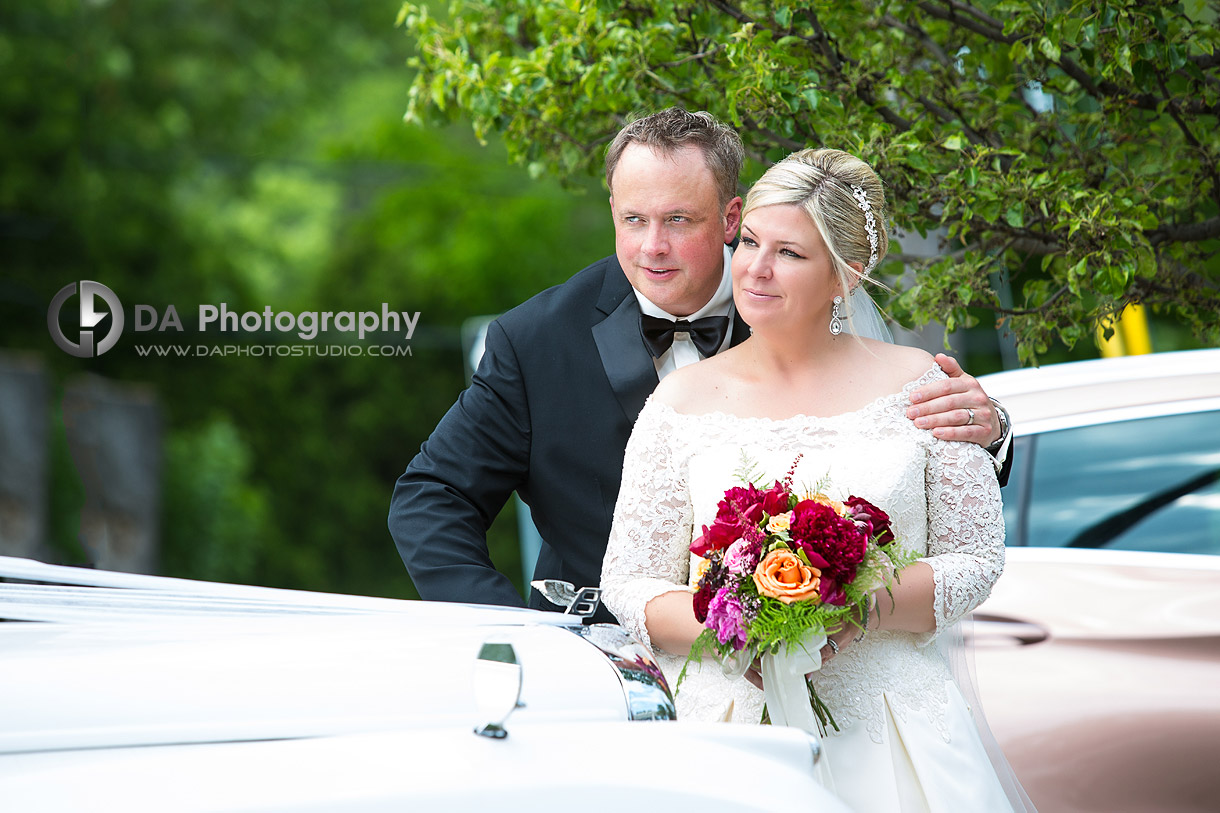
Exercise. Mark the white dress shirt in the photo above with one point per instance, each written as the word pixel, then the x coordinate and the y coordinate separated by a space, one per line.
pixel 683 351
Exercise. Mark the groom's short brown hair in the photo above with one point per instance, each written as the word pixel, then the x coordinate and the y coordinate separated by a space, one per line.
pixel 672 129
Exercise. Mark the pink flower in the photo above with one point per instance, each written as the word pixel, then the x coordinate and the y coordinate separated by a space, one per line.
pixel 724 615
pixel 741 557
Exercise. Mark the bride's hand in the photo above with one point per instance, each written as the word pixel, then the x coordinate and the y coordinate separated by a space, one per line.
pixel 842 640
pixel 845 636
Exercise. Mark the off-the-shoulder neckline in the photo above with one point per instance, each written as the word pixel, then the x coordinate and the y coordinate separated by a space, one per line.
pixel 877 403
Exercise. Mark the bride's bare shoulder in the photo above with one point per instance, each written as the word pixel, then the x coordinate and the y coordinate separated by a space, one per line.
pixel 692 388
pixel 896 364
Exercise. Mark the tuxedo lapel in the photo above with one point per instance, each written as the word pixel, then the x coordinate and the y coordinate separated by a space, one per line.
pixel 629 368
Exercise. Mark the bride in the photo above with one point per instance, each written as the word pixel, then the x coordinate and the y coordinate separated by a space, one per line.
pixel 803 384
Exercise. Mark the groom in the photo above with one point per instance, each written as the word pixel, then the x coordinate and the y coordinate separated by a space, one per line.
pixel 564 375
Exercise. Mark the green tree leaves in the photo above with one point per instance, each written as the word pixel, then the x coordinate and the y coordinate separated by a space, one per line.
pixel 1082 134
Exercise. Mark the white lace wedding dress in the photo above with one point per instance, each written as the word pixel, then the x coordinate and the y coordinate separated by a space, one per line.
pixel 907 740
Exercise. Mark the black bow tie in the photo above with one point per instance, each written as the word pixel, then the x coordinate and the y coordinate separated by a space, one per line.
pixel 707 333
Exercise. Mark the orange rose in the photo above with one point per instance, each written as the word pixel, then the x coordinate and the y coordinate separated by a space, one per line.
pixel 779 522
pixel 837 506
pixel 782 575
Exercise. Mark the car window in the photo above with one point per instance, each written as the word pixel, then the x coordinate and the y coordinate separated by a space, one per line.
pixel 1151 484
pixel 1015 492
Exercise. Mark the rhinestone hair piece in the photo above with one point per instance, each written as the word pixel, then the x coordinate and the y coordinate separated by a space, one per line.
pixel 870 225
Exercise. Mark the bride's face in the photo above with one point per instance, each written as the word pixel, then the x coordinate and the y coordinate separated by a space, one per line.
pixel 782 272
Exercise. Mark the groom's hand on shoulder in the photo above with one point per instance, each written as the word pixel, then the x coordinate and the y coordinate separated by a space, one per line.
pixel 945 407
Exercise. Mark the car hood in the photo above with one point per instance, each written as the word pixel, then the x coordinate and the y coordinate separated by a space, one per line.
pixel 167 662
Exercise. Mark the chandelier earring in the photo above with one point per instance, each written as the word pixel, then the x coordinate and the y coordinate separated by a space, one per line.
pixel 836 314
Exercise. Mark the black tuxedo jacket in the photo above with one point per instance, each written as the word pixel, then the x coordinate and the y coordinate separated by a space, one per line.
pixel 548 414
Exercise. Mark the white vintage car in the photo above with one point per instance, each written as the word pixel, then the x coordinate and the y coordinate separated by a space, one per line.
pixel 141 693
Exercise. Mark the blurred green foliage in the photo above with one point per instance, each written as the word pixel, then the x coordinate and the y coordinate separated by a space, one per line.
pixel 193 152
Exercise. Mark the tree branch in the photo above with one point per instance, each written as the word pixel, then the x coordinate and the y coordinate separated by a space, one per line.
pixel 821 40
pixel 1204 155
pixel 1076 72
pixel 980 23
pixel 949 115
pixel 677 63
pixel 976 13
pixel 919 35
pixel 1030 311
pixel 1036 246
pixel 951 15
pixel 1144 101
pixel 779 140
pixel 1189 233
pixel 1205 61
pixel 865 93
pixel 731 10
pixel 945 115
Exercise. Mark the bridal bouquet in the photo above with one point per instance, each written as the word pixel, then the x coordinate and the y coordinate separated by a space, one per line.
pixel 777 569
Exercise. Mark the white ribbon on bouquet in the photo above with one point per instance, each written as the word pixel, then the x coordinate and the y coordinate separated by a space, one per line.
pixel 784 682
pixel 783 674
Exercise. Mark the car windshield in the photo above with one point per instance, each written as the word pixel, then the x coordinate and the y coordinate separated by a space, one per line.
pixel 1151 484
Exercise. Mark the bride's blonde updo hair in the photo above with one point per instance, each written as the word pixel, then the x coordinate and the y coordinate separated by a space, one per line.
pixel 821 182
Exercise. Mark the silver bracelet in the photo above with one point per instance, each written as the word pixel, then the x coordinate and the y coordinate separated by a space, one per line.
pixel 1005 420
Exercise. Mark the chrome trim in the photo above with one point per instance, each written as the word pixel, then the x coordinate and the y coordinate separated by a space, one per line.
pixel 815 747
pixel 497 687
pixel 644 686
pixel 586 602
pixel 583 602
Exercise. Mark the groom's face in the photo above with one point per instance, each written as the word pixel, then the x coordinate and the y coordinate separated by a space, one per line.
pixel 669 227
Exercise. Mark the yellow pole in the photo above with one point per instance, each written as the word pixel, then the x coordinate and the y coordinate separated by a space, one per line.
pixel 1134 326
pixel 1130 337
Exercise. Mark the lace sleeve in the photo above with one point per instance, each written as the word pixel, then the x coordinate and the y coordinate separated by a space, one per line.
pixel 649 549
pixel 965 530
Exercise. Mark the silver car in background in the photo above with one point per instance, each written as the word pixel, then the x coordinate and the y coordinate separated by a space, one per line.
pixel 1098 653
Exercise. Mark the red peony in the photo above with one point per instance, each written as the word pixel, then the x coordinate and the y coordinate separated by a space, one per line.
pixel 818 530
pixel 741 504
